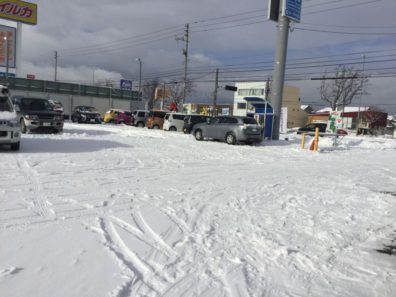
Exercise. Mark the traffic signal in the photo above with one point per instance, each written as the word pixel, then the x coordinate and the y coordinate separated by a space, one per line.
pixel 231 88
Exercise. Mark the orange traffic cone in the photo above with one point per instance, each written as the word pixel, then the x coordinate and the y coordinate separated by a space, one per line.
pixel 312 145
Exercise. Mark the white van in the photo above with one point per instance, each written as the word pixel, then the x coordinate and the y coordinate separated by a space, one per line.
pixel 10 130
pixel 174 121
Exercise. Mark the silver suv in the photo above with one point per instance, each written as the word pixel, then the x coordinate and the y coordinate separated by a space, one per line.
pixel 10 131
pixel 230 129
pixel 140 117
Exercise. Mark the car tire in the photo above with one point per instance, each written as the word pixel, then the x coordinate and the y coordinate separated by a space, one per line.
pixel 23 126
pixel 156 127
pixel 140 124
pixel 74 119
pixel 173 129
pixel 15 146
pixel 198 135
pixel 230 138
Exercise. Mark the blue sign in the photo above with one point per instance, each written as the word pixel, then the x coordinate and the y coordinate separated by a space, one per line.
pixel 3 74
pixel 125 84
pixel 292 9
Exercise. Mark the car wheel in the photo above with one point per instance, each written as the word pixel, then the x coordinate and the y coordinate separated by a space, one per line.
pixel 230 138
pixel 198 135
pixel 23 126
pixel 74 119
pixel 172 129
pixel 140 125
pixel 156 127
pixel 15 146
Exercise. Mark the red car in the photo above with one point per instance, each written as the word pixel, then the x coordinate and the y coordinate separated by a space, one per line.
pixel 124 117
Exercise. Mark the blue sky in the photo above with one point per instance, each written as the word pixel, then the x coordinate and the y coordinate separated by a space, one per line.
pixel 100 40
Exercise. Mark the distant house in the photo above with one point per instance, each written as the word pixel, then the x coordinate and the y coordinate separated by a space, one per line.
pixel 364 118
pixel 307 108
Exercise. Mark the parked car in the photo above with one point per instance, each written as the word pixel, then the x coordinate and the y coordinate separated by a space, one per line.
pixel 231 129
pixel 111 115
pixel 192 119
pixel 155 119
pixel 10 130
pixel 85 114
pixel 312 127
pixel 140 117
pixel 124 117
pixel 174 121
pixel 38 115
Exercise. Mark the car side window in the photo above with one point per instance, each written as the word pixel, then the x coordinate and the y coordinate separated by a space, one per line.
pixel 229 121
pixel 178 116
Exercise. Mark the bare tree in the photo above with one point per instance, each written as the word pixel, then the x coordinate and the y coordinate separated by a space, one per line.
pixel 176 91
pixel 148 92
pixel 342 87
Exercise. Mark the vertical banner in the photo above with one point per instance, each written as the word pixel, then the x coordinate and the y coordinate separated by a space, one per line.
pixel 7 37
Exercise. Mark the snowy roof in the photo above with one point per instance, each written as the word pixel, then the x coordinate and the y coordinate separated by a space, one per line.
pixel 346 109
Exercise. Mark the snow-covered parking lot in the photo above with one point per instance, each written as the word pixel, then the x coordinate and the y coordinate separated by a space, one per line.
pixel 122 211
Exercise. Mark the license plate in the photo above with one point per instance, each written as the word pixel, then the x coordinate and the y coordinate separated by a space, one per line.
pixel 92 120
pixel 254 130
pixel 46 124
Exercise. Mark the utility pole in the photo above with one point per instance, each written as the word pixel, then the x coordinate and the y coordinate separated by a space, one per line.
pixel 279 72
pixel 185 53
pixel 214 110
pixel 360 97
pixel 56 65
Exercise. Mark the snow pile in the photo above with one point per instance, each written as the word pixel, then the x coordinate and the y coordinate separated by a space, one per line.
pixel 7 115
pixel 105 210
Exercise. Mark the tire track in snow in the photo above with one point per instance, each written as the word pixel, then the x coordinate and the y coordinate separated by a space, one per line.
pixel 41 206
pixel 137 271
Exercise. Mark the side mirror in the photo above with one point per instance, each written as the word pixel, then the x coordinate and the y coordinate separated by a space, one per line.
pixel 16 108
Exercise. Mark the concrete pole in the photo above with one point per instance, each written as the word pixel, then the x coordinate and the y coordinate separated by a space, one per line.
pixel 279 72
pixel 185 53
pixel 214 110
pixel 140 79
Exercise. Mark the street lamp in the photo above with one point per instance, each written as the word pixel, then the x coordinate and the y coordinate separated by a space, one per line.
pixel 6 56
pixel 140 78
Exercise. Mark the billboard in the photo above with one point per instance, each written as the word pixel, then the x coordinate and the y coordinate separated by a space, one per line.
pixel 19 11
pixel 7 38
pixel 125 84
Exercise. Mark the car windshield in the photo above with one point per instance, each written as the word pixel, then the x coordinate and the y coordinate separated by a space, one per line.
pixel 249 121
pixel 36 104
pixel 88 108
pixel 5 104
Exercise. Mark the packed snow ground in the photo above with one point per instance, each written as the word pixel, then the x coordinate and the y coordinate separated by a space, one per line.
pixel 122 211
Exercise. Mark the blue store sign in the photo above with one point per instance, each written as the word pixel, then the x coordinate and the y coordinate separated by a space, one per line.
pixel 125 84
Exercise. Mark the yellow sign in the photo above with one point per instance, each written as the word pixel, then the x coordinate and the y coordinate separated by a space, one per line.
pixel 19 11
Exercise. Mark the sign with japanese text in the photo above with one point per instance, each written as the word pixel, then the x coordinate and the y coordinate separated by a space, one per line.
pixel 7 46
pixel 19 11
pixel 292 9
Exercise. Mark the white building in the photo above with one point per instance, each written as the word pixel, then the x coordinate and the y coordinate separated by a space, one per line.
pixel 247 89
pixel 296 116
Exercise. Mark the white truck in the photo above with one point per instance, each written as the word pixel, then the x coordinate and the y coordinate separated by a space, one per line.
pixel 10 130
